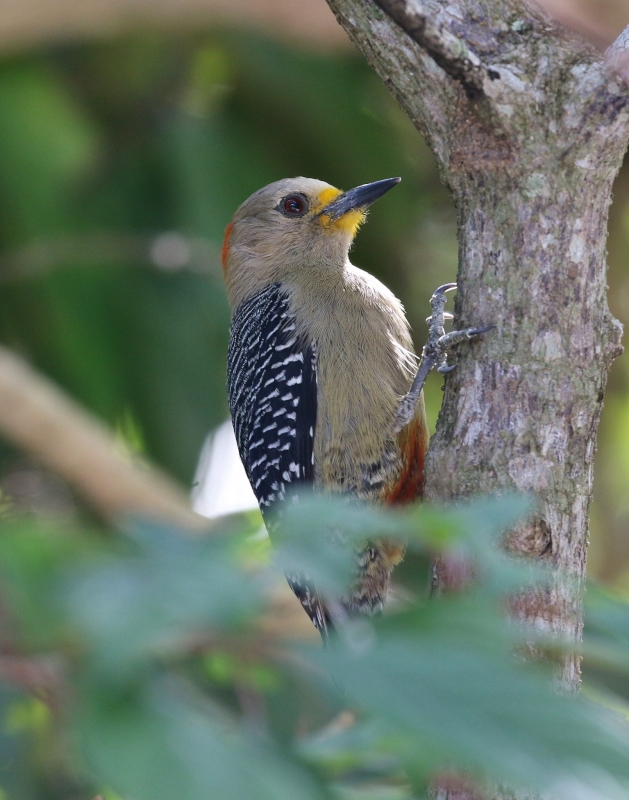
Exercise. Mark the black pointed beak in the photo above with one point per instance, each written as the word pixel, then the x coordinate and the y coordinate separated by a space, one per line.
pixel 359 198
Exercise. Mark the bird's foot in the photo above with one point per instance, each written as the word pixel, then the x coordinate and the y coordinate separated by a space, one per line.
pixel 435 352
pixel 439 342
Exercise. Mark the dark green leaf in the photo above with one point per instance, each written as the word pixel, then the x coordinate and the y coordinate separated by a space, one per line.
pixel 168 743
pixel 481 710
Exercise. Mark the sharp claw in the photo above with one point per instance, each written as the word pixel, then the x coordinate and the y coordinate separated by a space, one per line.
pixel 434 352
pixel 447 287
pixel 445 315
pixel 476 331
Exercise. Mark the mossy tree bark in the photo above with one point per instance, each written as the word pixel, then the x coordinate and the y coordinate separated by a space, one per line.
pixel 529 126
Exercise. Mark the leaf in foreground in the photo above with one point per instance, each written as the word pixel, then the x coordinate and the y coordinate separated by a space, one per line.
pixel 482 711
pixel 162 744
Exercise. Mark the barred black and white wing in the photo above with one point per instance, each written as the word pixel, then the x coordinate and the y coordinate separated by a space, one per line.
pixel 272 384
pixel 272 387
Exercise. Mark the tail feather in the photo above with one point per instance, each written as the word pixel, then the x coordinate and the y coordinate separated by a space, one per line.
pixel 312 603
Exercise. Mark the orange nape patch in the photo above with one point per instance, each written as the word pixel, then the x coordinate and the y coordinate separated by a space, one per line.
pixel 225 248
pixel 348 223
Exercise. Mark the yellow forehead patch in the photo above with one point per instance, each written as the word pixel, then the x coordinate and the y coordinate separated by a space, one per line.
pixel 327 195
pixel 348 223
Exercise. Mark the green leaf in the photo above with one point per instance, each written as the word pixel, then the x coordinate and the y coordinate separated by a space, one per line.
pixel 318 534
pixel 606 634
pixel 477 522
pixel 32 555
pixel 168 742
pixel 480 710
pixel 134 609
pixel 374 792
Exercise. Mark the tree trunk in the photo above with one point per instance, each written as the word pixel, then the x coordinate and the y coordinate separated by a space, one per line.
pixel 529 127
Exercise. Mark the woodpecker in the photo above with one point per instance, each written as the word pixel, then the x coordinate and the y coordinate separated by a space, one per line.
pixel 321 368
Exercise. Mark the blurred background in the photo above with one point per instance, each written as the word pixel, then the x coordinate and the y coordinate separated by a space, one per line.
pixel 130 132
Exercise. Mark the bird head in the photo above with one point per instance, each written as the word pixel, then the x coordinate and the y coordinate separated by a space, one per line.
pixel 291 228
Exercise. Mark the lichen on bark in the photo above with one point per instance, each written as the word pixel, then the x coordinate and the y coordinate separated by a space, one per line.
pixel 529 126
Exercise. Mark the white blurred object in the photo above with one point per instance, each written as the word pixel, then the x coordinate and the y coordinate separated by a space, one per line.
pixel 221 485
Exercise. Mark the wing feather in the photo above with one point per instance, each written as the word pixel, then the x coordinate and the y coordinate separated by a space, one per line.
pixel 272 383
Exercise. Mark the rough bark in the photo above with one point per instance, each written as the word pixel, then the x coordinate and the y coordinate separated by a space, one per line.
pixel 529 126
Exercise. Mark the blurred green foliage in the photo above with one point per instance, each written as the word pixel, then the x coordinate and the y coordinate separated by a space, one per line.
pixel 107 148
pixel 103 143
pixel 120 165
pixel 157 680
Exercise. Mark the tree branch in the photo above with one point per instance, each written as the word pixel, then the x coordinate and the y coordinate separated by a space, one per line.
pixel 620 45
pixel 617 56
pixel 37 417
pixel 532 193
pixel 448 51
pixel 34 674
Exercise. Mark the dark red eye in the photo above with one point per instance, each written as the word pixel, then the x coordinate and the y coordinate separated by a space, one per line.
pixel 294 205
